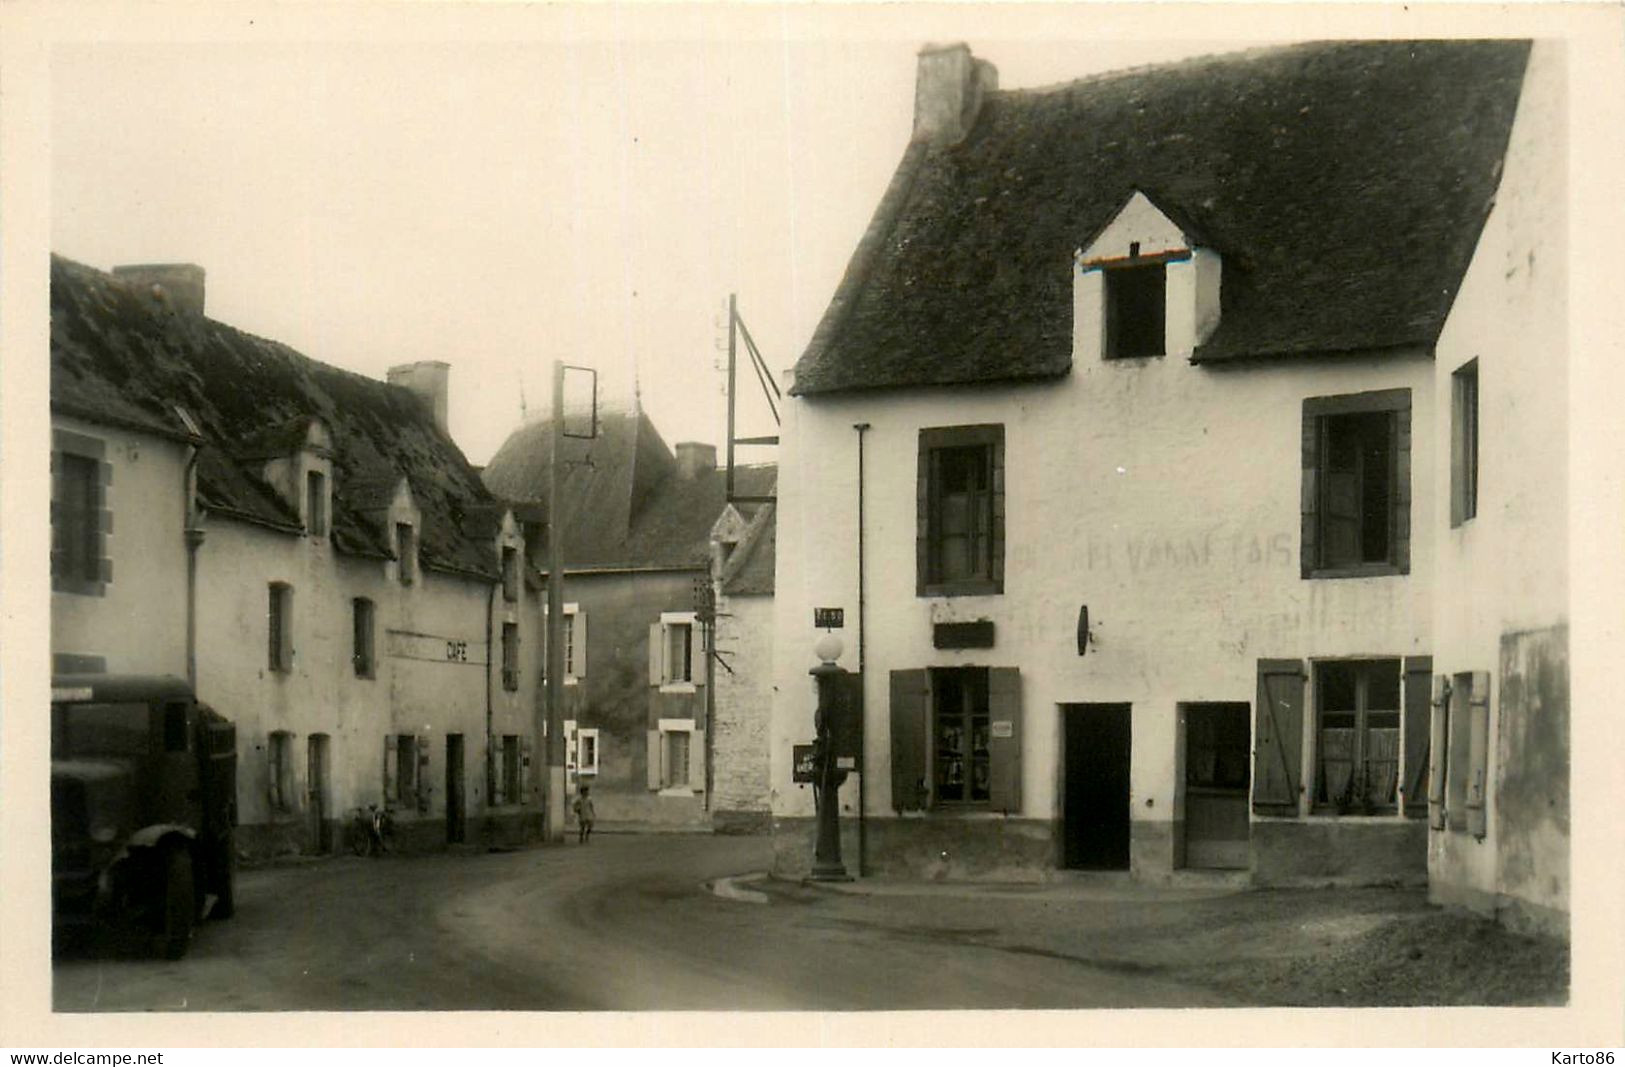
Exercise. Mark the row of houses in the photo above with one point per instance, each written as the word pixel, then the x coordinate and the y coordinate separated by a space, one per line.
pixel 311 549
pixel 1183 442
pixel 1178 446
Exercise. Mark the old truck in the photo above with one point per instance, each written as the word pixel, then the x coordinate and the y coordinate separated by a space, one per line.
pixel 143 805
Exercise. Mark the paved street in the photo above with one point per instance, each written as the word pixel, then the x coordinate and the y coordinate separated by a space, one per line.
pixel 628 923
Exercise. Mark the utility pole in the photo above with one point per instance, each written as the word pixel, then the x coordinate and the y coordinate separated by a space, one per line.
pixel 555 618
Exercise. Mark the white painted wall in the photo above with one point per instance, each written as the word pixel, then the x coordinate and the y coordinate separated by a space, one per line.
pixel 1165 496
pixel 139 623
pixel 744 701
pixel 1507 569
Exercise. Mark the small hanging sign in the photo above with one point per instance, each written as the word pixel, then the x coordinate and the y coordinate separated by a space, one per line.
pixel 829 618
pixel 1003 728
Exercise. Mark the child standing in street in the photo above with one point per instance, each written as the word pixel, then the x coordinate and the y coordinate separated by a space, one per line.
pixel 584 815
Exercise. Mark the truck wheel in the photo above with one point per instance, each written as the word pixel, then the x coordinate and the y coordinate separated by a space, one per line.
pixel 180 902
pixel 225 902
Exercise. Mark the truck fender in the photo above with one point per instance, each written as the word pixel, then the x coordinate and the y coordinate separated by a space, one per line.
pixel 148 836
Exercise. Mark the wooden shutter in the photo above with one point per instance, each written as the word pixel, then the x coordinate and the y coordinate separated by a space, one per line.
pixel 1004 753
pixel 656 755
pixel 389 769
pixel 696 760
pixel 910 707
pixel 423 774
pixel 657 653
pixel 273 776
pixel 1402 487
pixel 1418 723
pixel 699 652
pixel 1278 737
pixel 996 571
pixel 1309 549
pixel 580 645
pixel 527 769
pixel 922 519
pixel 493 789
pixel 1478 754
pixel 1438 751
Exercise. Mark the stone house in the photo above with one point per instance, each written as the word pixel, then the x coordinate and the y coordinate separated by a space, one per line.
pixel 309 548
pixel 646 531
pixel 1168 390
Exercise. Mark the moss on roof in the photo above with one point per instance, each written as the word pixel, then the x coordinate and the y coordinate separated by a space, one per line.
pixel 116 353
pixel 1344 185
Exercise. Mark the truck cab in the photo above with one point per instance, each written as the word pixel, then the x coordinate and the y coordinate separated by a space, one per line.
pixel 143 804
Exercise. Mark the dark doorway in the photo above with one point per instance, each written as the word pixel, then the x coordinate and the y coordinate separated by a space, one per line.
pixel 1095 814
pixel 454 789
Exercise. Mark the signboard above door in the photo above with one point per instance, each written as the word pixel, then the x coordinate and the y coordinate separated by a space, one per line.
pixel 829 618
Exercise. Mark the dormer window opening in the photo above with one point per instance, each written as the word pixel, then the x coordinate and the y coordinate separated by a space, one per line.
pixel 316 503
pixel 1136 310
pixel 406 550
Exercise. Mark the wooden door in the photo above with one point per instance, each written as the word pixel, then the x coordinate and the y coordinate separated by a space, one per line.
pixel 1096 802
pixel 320 830
pixel 1217 740
pixel 454 789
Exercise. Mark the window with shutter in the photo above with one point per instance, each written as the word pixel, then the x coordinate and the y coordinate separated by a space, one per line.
pixel 1458 762
pixel 279 627
pixel 1278 737
pixel 1357 705
pixel 1464 443
pixel 424 780
pixel 363 652
pixel 677 654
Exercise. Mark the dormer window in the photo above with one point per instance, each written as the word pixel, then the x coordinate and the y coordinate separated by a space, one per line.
pixel 510 573
pixel 316 504
pixel 406 551
pixel 1136 310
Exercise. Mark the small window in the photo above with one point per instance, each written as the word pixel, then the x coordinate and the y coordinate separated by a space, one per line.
pixel 587 751
pixel 79 520
pixel 279 613
pixel 1136 307
pixel 362 654
pixel 1356 493
pixel 406 770
pixel 961 520
pixel 510 656
pixel 279 747
pixel 406 552
pixel 680 652
pixel 510 769
pixel 676 757
pixel 1464 444
pixel 1358 739
pixel 316 503
pixel 510 573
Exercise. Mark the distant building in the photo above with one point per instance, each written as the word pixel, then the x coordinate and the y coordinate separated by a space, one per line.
pixel 310 546
pixel 644 529
pixel 1209 477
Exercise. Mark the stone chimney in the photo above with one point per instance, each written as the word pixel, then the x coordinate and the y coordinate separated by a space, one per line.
pixel 948 91
pixel 177 285
pixel 695 458
pixel 427 378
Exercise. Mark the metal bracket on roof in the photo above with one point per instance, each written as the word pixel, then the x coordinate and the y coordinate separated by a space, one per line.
pixel 770 391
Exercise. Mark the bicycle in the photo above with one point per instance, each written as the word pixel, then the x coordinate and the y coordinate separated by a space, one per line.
pixel 371 830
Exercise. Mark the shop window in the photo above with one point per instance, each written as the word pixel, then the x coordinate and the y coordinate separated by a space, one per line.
pixel 279 615
pixel 1464 443
pixel 363 651
pixel 1136 310
pixel 956 739
pixel 1357 706
pixel 1356 485
pixel 960 521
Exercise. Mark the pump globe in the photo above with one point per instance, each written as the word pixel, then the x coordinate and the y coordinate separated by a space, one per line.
pixel 829 648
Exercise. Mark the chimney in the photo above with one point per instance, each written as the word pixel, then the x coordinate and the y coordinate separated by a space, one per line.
pixel 695 458
pixel 177 285
pixel 948 90
pixel 426 378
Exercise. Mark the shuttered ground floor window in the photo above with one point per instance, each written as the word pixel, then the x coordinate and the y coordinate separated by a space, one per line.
pixel 1366 751
pixel 956 739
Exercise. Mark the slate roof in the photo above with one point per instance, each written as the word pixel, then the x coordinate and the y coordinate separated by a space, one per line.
pixel 1343 184
pixel 750 571
pixel 626 506
pixel 119 356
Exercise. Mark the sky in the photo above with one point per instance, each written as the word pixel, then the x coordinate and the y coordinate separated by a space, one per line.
pixel 552 184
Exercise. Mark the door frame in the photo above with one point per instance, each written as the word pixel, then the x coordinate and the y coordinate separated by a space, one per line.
pixel 456 791
pixel 319 792
pixel 1065 711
